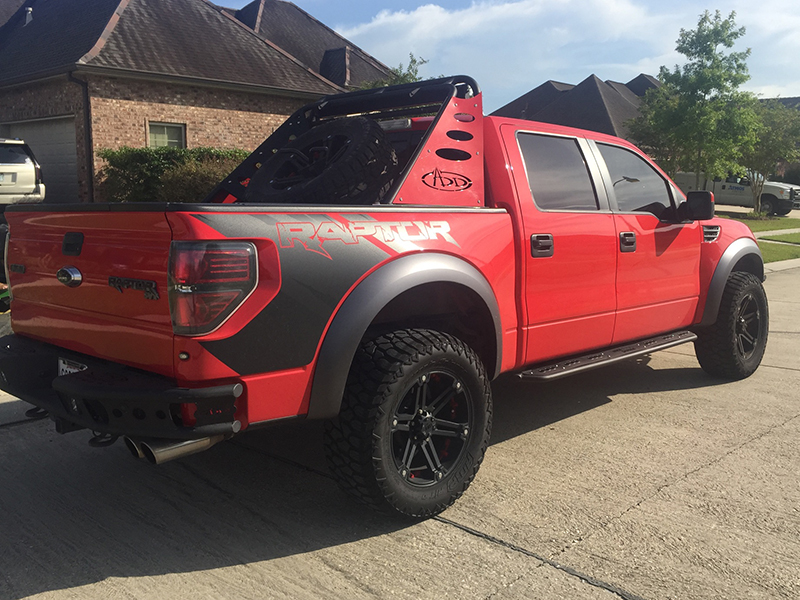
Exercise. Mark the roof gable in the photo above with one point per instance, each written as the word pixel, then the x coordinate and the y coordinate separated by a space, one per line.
pixel 178 38
pixel 531 103
pixel 58 34
pixel 311 41
pixel 593 104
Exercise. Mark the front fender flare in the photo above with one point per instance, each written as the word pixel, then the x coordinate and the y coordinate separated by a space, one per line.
pixel 738 250
pixel 366 301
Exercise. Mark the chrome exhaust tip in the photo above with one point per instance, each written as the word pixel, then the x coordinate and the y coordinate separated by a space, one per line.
pixel 159 451
pixel 134 446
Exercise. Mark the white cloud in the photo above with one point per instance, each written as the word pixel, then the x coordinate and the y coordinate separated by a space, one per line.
pixel 512 46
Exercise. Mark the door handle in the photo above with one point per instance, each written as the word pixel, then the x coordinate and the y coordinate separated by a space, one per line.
pixel 627 241
pixel 541 245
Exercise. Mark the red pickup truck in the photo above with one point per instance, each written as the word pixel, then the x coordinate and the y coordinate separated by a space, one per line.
pixel 374 263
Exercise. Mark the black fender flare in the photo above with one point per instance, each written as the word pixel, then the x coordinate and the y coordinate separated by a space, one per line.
pixel 733 254
pixel 365 302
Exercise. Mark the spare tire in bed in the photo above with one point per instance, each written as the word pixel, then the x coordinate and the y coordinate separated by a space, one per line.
pixel 343 161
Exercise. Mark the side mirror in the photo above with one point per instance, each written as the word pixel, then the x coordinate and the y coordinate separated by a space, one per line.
pixel 699 206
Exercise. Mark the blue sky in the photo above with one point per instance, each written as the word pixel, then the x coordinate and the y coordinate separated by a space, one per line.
pixel 512 46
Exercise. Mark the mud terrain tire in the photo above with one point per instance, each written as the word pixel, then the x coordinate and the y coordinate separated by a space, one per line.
pixel 733 347
pixel 414 423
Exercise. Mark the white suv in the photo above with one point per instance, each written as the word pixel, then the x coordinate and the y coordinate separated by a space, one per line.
pixel 20 174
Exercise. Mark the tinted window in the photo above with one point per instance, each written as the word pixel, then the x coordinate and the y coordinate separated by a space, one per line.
pixel 557 173
pixel 637 186
pixel 14 154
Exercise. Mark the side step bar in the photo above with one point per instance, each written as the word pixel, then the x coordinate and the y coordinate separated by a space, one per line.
pixel 584 362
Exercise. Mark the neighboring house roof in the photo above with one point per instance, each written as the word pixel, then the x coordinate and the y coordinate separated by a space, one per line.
pixel 789 102
pixel 531 103
pixel 175 38
pixel 593 104
pixel 8 8
pixel 311 42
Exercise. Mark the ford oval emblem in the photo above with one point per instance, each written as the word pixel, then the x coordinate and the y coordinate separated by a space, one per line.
pixel 69 276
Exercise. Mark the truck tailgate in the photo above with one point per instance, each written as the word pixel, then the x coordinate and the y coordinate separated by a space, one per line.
pixel 94 282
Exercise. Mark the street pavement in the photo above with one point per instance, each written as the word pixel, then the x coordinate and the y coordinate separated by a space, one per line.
pixel 645 480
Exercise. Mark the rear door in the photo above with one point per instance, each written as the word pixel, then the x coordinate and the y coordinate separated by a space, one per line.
pixel 93 281
pixel 569 254
pixel 658 266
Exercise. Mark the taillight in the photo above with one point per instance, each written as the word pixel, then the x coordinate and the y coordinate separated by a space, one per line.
pixel 208 281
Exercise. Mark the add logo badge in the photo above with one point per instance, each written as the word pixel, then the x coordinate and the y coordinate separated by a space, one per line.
pixel 446 182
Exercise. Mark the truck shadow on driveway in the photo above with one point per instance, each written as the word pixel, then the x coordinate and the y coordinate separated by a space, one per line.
pixel 74 515
pixel 522 406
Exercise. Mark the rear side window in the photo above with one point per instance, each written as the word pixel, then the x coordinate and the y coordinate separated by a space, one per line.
pixel 14 154
pixel 557 173
pixel 637 186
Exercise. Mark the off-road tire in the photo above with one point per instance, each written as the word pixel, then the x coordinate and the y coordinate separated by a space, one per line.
pixel 733 347
pixel 344 161
pixel 368 445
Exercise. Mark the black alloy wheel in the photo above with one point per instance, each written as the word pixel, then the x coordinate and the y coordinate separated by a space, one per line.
pixel 429 428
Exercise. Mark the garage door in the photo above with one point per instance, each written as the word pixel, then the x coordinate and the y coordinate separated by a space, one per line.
pixel 53 143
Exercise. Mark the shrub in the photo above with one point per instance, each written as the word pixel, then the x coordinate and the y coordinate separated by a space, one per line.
pixel 134 174
pixel 193 180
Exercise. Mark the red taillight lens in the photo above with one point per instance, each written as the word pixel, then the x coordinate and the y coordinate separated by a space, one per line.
pixel 208 282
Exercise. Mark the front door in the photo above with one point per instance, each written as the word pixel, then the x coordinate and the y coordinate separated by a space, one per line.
pixel 658 267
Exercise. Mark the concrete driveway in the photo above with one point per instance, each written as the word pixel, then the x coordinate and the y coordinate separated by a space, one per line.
pixel 648 479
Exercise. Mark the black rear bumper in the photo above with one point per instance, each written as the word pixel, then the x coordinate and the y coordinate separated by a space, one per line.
pixel 112 398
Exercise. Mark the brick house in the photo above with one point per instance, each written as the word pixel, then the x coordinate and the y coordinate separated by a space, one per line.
pixel 77 76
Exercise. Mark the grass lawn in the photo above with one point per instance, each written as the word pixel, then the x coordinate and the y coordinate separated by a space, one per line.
pixel 762 223
pixel 776 252
pixel 792 238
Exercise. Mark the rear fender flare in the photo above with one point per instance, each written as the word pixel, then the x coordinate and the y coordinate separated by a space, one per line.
pixel 733 255
pixel 366 301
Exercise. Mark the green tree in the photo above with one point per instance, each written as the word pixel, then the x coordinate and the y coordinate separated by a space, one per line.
pixel 400 74
pixel 698 119
pixel 775 139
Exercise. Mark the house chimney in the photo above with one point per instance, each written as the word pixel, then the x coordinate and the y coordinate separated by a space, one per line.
pixel 28 15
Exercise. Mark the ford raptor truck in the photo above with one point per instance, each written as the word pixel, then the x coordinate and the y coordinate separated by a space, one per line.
pixel 379 259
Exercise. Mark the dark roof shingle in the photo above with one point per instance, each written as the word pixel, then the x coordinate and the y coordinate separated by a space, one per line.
pixel 58 35
pixel 309 40
pixel 8 8
pixel 180 38
pixel 593 104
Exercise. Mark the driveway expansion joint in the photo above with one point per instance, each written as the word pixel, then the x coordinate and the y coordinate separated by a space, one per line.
pixel 683 477
pixel 545 561
pixel 19 423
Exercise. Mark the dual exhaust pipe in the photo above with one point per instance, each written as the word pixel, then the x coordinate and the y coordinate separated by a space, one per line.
pixel 159 451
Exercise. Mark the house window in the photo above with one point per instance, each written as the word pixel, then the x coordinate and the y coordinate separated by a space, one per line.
pixel 167 134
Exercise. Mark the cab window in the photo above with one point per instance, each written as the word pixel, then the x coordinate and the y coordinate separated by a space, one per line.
pixel 637 186
pixel 557 173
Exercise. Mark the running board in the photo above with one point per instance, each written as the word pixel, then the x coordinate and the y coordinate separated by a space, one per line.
pixel 584 362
